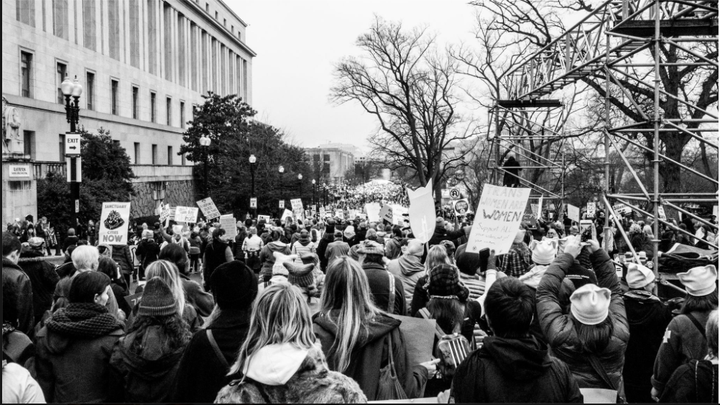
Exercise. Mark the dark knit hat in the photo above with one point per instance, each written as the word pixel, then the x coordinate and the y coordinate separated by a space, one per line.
pixel 234 285
pixel 300 274
pixel 369 247
pixel 157 299
pixel 338 234
pixel 468 263
pixel 445 283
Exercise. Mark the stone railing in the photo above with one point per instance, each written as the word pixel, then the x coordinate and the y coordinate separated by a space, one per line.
pixel 41 169
pixel 145 173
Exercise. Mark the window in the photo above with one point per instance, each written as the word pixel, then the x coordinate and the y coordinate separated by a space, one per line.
pixel 61 73
pixel 135 92
pixel 61 147
pixel 207 8
pixel 90 90
pixel 26 72
pixel 136 156
pixel 168 107
pixel 224 22
pixel 316 158
pixel 154 154
pixel 114 97
pixel 170 156
pixel 153 108
pixel 216 16
pixel 182 114
pixel 28 143
pixel 182 160
pixel 89 24
pixel 326 158
pixel 25 12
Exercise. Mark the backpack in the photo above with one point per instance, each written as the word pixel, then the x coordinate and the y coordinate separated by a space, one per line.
pixel 451 349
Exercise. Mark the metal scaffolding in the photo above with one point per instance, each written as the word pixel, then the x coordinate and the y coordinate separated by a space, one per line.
pixel 623 45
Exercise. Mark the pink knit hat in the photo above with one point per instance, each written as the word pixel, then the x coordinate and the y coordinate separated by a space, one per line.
pixel 590 304
pixel 699 281
pixel 638 276
pixel 544 252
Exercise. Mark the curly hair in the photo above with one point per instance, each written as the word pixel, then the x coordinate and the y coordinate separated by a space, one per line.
pixel 175 327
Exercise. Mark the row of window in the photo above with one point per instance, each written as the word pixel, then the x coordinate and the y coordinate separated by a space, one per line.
pixel 26 71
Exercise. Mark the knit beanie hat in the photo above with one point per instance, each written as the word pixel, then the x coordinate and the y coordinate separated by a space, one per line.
pixel 369 247
pixel 300 274
pixel 544 252
pixel 157 299
pixel 234 285
pixel 638 276
pixel 590 304
pixel 445 283
pixel 532 278
pixel 278 269
pixel 349 232
pixel 353 252
pixel 699 281
pixel 338 235
pixel 36 242
pixel 468 263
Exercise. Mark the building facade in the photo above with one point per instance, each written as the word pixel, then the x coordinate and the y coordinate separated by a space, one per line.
pixel 330 162
pixel 143 65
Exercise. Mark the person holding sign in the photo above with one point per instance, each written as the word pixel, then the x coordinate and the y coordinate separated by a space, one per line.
pixel 518 259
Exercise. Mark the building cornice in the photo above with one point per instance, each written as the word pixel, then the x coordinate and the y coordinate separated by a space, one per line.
pixel 217 24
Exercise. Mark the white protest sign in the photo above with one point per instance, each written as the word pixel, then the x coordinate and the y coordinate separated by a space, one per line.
pixel 113 223
pixel 353 214
pixel 661 213
pixel 591 209
pixel 208 208
pixel 265 218
pixel 339 214
pixel 398 211
pixel 165 213
pixel 498 218
pixel 422 212
pixel 287 213
pixel 322 212
pixel 297 207
pixel 186 214
pixel 573 213
pixel 386 213
pixel 228 223
pixel 373 212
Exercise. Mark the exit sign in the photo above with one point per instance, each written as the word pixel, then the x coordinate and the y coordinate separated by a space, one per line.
pixel 72 144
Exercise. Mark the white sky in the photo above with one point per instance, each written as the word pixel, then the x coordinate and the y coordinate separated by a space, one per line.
pixel 298 42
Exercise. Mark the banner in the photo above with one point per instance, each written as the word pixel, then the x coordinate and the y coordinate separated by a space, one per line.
pixel 498 218
pixel 591 210
pixel 114 220
pixel 422 212
pixel 386 213
pixel 373 212
pixel 228 223
pixel 186 214
pixel 573 213
pixel 208 208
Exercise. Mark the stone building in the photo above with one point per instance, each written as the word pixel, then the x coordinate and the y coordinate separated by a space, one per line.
pixel 330 162
pixel 143 64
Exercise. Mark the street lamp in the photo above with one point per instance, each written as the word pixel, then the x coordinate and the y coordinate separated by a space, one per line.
pixel 300 184
pixel 281 170
pixel 313 184
pixel 205 144
pixel 253 160
pixel 72 112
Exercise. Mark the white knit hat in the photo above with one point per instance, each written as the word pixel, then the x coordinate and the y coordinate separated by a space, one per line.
pixel 638 276
pixel 544 252
pixel 349 232
pixel 699 281
pixel 589 304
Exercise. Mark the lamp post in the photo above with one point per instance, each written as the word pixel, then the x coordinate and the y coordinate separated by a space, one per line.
pixel 313 184
pixel 72 112
pixel 205 144
pixel 253 160
pixel 281 170
pixel 324 194
pixel 300 176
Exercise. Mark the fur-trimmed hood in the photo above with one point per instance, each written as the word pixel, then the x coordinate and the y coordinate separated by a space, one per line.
pixel 312 382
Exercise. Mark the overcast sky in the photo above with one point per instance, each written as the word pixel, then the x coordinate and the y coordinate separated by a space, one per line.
pixel 298 43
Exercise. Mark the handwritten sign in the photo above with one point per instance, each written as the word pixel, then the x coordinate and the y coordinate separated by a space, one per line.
pixel 386 213
pixel 208 208
pixel 265 218
pixel 591 209
pixel 114 220
pixel 661 213
pixel 339 214
pixel 228 223
pixel 297 207
pixel 573 213
pixel 498 218
pixel 186 214
pixel 281 204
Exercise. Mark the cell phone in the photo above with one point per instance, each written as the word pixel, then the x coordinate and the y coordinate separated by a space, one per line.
pixel 586 230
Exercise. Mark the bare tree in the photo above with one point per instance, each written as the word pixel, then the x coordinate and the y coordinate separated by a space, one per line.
pixel 411 90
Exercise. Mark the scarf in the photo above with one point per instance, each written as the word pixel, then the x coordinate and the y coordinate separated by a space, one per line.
pixel 83 320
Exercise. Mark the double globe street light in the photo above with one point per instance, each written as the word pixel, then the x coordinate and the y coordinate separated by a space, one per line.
pixel 205 145
pixel 72 112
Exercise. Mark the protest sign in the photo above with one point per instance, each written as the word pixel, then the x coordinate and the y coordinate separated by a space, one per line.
pixel 498 218
pixel 208 208
pixel 386 213
pixel 591 210
pixel 281 204
pixel 228 223
pixel 165 213
pixel 661 213
pixel 114 220
pixel 373 212
pixel 297 207
pixel 322 212
pixel 422 212
pixel 287 213
pixel 461 206
pixel 352 214
pixel 339 214
pixel 134 299
pixel 540 202
pixel 398 212
pixel 186 214
pixel 265 218
pixel 573 213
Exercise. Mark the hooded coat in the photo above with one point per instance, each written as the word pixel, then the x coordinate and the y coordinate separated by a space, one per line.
pixel 283 374
pixel 14 274
pixel 322 245
pixel 409 270
pixel 559 329
pixel 371 354
pixel 514 370
pixel 268 259
pixel 43 278
pixel 146 364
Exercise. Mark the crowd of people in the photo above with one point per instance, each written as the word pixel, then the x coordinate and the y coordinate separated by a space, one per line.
pixel 313 311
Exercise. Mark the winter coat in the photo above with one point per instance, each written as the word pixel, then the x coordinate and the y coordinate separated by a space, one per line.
pixel 301 247
pixel 336 250
pixel 75 368
pixel 216 253
pixel 393 247
pixel 284 374
pixel 681 342
pixel 202 301
pixel 14 274
pixel 148 250
pixel 146 365
pixel 560 331
pixel 409 270
pixel 640 241
pixel 238 253
pixel 514 370
pixel 268 259
pixel 201 374
pixel 379 281
pixel 371 354
pixel 648 317
pixel 693 382
pixel 512 169
pixel 440 234
pixel 322 245
pixel 43 279
pixel 122 256
pixel 69 241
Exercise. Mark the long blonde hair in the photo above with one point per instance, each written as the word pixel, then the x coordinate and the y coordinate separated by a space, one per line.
pixel 280 315
pixel 347 290
pixel 436 255
pixel 169 273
